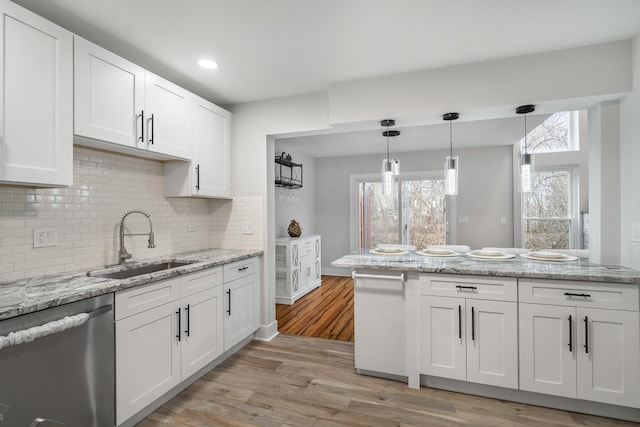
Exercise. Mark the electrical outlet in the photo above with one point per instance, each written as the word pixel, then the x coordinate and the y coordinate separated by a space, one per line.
pixel 503 220
pixel 44 237
pixel 463 220
pixel 247 229
pixel 635 232
pixel 191 228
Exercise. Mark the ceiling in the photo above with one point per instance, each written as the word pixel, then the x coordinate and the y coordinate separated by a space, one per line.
pixel 277 48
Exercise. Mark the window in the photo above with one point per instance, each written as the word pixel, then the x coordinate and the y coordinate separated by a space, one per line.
pixel 557 133
pixel 415 214
pixel 547 211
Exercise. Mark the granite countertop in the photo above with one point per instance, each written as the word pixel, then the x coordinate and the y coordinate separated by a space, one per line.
pixel 38 293
pixel 580 269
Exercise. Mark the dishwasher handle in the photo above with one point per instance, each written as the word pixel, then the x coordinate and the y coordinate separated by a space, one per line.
pixel 355 275
pixel 50 328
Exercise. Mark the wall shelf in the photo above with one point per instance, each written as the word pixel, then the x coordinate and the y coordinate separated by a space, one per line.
pixel 287 173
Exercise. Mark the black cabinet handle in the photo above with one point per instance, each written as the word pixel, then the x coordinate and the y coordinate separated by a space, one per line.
pixel 152 125
pixel 141 137
pixel 229 309
pixel 187 310
pixel 586 334
pixel 473 324
pixel 571 294
pixel 459 322
pixel 179 336
pixel 198 177
pixel 460 287
pixel 570 334
pixel 243 269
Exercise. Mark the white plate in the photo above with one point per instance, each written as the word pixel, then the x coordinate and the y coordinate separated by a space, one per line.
pixel 475 254
pixel 383 252
pixel 439 253
pixel 530 255
pixel 547 255
pixel 487 253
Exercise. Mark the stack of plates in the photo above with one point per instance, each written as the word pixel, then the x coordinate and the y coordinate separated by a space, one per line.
pixel 386 250
pixel 548 256
pixel 437 252
pixel 489 254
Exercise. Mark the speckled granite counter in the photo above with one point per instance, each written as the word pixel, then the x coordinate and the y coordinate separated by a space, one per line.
pixel 580 269
pixel 38 293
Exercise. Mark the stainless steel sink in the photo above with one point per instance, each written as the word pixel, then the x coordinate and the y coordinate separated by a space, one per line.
pixel 137 271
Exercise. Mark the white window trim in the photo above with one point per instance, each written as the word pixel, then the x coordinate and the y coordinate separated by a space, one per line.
pixel 356 179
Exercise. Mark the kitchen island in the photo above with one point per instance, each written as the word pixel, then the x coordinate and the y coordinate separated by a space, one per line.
pixel 563 334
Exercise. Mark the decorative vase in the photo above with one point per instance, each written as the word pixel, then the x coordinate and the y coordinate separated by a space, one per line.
pixel 294 229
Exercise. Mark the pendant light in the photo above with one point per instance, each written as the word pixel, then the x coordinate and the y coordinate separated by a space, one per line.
pixel 390 167
pixel 525 181
pixel 451 162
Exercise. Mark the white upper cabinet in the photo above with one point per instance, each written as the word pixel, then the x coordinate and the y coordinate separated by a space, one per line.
pixel 109 95
pixel 121 107
pixel 209 174
pixel 36 94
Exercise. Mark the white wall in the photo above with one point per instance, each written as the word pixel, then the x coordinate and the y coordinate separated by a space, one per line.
pixel 629 165
pixel 484 195
pixel 298 204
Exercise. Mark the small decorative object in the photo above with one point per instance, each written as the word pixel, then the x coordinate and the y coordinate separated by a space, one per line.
pixel 294 229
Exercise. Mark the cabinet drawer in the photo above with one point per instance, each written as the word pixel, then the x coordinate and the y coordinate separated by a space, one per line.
pixel 579 294
pixel 306 247
pixel 196 282
pixel 238 269
pixel 142 298
pixel 497 289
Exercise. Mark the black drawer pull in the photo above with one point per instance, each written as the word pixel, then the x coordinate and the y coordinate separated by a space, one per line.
pixel 586 334
pixel 571 294
pixel 459 322
pixel 473 324
pixel 198 177
pixel 243 269
pixel 570 334
pixel 179 312
pixel 229 309
pixel 460 287
pixel 187 310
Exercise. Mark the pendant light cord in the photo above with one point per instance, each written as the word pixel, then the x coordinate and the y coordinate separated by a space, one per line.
pixel 525 133
pixel 388 159
pixel 450 139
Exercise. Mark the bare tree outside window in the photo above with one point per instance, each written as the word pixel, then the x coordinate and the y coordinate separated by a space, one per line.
pixel 416 216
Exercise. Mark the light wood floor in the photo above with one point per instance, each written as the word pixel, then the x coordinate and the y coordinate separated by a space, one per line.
pixel 302 381
pixel 325 312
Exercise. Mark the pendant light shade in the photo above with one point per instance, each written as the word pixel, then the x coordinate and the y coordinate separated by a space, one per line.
pixel 451 163
pixel 525 175
pixel 390 167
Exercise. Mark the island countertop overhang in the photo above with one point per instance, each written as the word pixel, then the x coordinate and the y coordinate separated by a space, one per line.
pixel 579 270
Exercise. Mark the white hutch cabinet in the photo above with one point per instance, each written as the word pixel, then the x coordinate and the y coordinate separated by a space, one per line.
pixel 298 268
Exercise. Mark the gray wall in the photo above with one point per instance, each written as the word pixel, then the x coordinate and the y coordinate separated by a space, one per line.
pixel 485 196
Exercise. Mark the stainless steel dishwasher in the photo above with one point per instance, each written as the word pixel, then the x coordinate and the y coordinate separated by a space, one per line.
pixel 65 376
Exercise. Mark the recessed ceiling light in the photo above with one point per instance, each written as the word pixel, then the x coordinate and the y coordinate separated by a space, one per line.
pixel 209 64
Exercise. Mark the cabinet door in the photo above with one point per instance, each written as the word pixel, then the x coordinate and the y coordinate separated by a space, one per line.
pixel 239 320
pixel 492 342
pixel 442 337
pixel 202 333
pixel 109 96
pixel 36 100
pixel 307 276
pixel 211 149
pixel 167 114
pixel 608 363
pixel 548 348
pixel 147 358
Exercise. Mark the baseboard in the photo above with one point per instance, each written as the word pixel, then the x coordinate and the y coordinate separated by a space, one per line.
pixel 336 271
pixel 267 332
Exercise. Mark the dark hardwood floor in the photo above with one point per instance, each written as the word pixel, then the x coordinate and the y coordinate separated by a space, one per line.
pixel 301 381
pixel 325 312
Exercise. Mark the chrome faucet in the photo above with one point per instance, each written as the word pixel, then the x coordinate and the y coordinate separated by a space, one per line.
pixel 122 253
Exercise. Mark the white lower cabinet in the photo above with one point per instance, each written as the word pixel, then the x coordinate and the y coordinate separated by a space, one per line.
pixel 575 348
pixel 240 314
pixel 298 267
pixel 469 336
pixel 165 332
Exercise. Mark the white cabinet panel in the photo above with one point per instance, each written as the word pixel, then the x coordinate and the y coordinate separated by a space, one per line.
pixel 36 94
pixel 239 317
pixel 109 96
pixel 547 361
pixel 147 359
pixel 202 330
pixel 608 362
